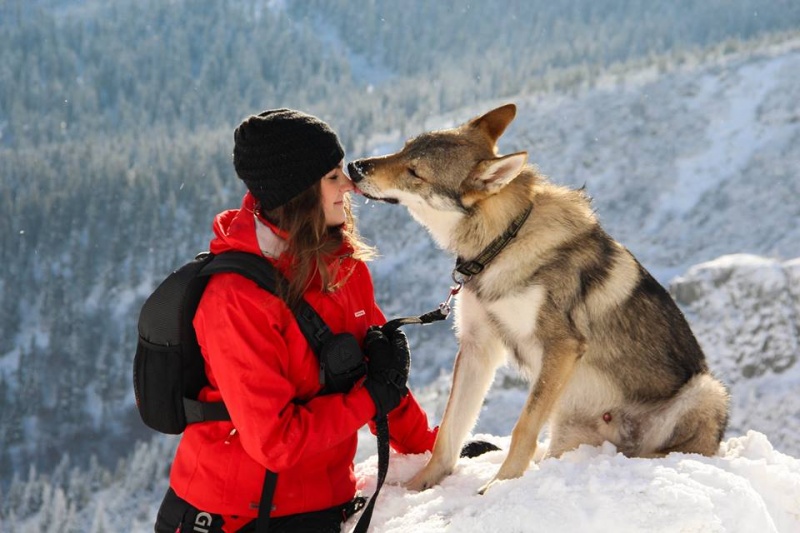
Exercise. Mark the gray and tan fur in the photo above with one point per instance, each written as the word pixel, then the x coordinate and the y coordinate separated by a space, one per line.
pixel 609 355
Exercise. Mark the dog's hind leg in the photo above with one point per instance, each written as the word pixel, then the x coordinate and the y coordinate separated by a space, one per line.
pixel 568 435
pixel 478 358
pixel 558 365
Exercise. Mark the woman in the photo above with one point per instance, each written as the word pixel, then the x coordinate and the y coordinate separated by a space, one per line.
pixel 296 214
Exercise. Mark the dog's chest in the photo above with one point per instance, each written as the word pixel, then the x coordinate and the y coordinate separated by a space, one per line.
pixel 517 314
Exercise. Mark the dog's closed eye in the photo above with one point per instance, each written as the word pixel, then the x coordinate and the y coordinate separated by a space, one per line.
pixel 414 174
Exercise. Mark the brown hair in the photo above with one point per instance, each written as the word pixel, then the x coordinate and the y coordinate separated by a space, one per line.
pixel 312 243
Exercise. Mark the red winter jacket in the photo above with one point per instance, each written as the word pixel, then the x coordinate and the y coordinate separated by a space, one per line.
pixel 261 366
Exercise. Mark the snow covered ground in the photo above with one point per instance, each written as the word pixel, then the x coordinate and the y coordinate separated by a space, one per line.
pixel 749 487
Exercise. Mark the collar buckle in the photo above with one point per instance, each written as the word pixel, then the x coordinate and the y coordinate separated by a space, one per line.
pixel 475 266
pixel 470 268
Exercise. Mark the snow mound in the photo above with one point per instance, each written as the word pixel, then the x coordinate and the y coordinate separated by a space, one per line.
pixel 747 487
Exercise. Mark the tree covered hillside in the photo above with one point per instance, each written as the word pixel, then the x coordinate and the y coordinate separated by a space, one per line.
pixel 84 68
pixel 115 140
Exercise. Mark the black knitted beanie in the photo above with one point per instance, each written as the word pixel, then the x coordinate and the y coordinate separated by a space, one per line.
pixel 281 152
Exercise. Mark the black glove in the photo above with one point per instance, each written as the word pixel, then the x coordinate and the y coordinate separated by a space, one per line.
pixel 341 363
pixel 387 368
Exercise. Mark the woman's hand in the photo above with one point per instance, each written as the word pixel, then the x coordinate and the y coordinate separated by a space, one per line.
pixel 388 362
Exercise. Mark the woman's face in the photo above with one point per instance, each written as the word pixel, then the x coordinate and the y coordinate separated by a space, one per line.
pixel 335 184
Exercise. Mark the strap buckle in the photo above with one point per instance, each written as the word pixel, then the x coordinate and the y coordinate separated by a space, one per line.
pixel 470 268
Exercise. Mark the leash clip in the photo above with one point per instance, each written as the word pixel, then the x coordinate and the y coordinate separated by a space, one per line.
pixel 444 307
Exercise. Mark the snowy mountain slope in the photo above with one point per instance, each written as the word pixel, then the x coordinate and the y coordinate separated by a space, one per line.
pixel 713 169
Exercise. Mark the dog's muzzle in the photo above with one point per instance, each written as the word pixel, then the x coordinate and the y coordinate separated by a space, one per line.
pixel 358 170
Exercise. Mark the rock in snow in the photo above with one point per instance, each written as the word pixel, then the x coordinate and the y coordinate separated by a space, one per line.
pixel 745 311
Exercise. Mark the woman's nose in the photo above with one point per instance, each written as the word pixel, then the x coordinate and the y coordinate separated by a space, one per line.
pixel 346 183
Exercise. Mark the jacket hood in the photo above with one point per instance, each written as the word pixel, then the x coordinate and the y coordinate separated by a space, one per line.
pixel 235 229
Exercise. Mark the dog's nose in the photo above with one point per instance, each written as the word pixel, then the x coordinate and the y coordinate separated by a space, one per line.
pixel 357 170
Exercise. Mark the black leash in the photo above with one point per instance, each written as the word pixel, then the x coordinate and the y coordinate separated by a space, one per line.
pixel 440 313
pixel 382 429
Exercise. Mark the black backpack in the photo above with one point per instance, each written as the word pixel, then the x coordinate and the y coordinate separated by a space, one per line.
pixel 168 370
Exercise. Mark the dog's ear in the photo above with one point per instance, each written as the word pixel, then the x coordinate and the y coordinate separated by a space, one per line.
pixel 491 175
pixel 495 122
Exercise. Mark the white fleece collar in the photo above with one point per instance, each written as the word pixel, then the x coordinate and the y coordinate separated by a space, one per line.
pixel 270 244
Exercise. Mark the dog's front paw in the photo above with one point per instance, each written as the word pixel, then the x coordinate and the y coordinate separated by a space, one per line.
pixel 505 472
pixel 425 479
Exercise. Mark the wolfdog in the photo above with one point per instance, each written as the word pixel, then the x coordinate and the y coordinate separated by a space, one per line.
pixel 609 355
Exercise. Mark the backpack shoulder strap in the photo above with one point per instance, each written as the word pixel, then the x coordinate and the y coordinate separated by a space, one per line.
pixel 263 273
pixel 266 276
pixel 315 330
